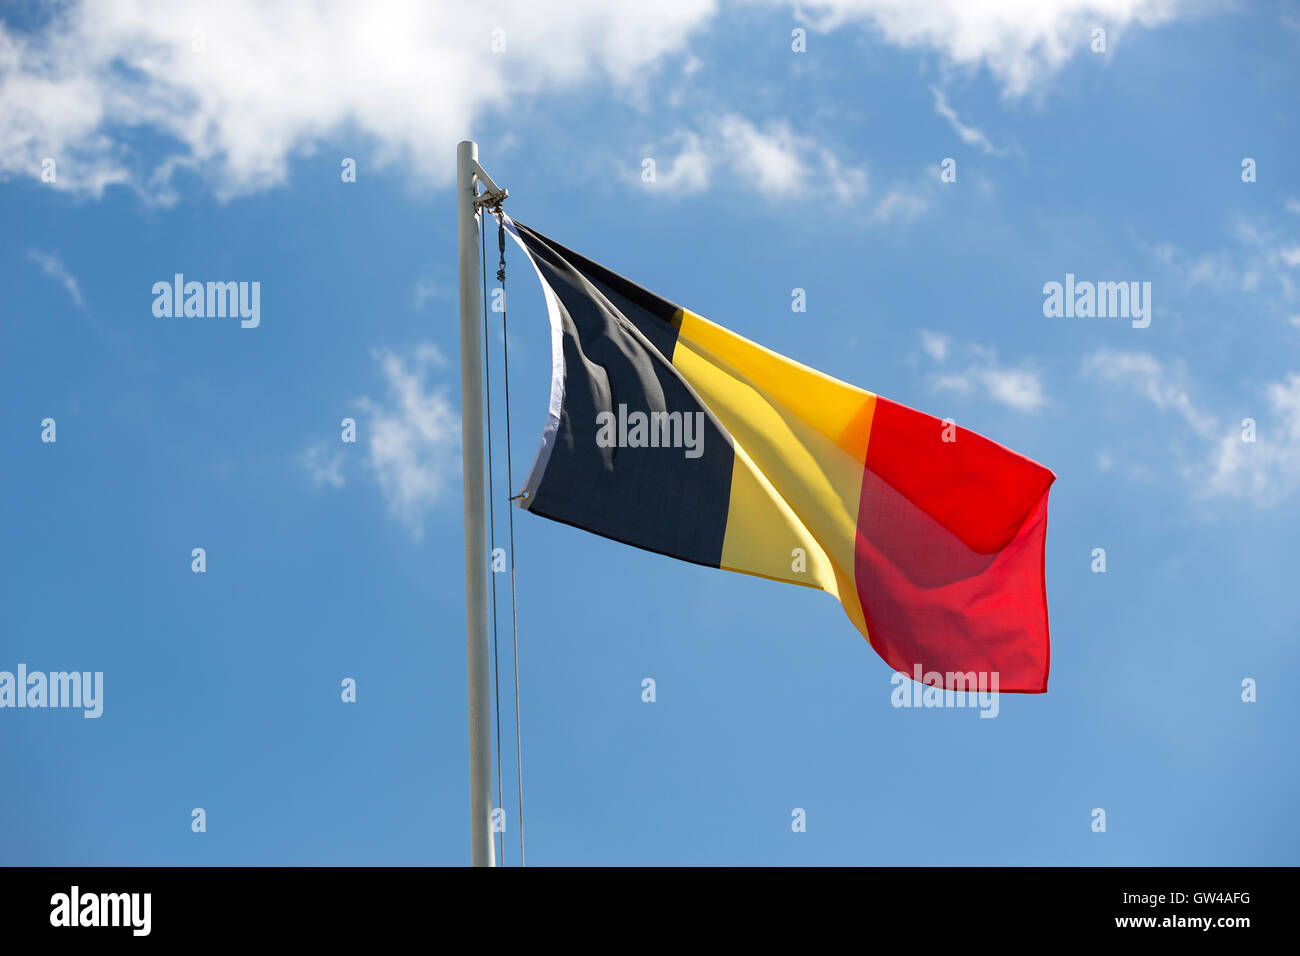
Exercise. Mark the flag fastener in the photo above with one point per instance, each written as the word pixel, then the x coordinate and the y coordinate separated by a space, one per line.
pixel 492 195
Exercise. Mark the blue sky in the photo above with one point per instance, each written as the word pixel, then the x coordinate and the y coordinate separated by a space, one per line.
pixel 210 144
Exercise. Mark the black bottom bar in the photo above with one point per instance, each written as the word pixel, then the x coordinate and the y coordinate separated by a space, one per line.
pixel 928 905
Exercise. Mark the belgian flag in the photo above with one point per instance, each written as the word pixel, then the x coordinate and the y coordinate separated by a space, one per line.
pixel 673 434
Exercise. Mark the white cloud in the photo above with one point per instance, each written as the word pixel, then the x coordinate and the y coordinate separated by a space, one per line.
pixel 1144 372
pixel 236 90
pixel 1019 388
pixel 323 467
pixel 935 345
pixel 53 267
pixel 901 204
pixel 1268 469
pixel 904 200
pixel 275 76
pixel 413 436
pixel 1022 42
pixel 425 289
pixel 689 170
pixel 1259 260
pixel 1221 463
pixel 1016 388
pixel 771 159
pixel 968 134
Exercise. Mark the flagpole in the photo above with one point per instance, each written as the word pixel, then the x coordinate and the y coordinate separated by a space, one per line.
pixel 476 556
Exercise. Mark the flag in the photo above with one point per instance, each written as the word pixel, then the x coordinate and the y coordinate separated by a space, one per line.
pixel 671 433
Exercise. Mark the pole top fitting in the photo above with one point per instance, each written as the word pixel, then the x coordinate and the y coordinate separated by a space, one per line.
pixel 492 195
pixel 491 199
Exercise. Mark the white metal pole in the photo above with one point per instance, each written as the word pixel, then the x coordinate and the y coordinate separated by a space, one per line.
pixel 476 556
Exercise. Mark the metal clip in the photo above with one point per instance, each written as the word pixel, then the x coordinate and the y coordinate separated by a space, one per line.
pixel 491 200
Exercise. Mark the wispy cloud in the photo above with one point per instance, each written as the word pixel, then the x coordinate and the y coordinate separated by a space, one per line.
pixel 968 134
pixel 53 267
pixel 425 289
pixel 1163 388
pixel 323 466
pixel 975 368
pixel 412 435
pixel 901 204
pixel 1260 257
pixel 935 345
pixel 1220 462
pixel 687 171
pixel 772 159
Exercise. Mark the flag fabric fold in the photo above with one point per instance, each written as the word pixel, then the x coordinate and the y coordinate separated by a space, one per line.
pixel 668 432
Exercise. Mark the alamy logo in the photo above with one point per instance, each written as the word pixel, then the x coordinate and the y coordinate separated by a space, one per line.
pixel 57 689
pixel 968 689
pixel 102 909
pixel 1102 300
pixel 212 300
pixel 651 430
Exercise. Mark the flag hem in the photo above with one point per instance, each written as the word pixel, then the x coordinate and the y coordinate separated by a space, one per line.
pixel 552 426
